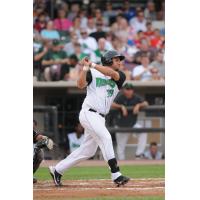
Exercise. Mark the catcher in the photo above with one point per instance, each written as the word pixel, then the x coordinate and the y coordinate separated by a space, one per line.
pixel 39 142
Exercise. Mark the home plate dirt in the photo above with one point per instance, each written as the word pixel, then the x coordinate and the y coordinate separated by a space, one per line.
pixel 98 188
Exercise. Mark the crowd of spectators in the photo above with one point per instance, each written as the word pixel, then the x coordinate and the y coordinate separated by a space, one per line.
pixel 77 30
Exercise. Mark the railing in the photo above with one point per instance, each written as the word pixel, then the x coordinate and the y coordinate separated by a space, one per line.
pixel 53 110
pixel 159 108
pixel 70 84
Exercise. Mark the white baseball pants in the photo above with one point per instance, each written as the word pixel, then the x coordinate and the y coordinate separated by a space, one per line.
pixel 96 134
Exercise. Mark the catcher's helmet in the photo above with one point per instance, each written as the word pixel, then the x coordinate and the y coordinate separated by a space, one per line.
pixel 106 59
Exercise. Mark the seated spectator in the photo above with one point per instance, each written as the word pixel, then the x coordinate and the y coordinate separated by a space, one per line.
pixel 99 33
pixel 61 23
pixel 139 22
pixel 50 33
pixel 68 70
pixel 109 13
pixel 79 52
pixel 143 72
pixel 144 48
pixel 157 40
pixel 40 22
pixel 102 48
pixel 153 153
pixel 124 31
pixel 37 58
pixel 69 47
pixel 159 64
pixel 86 41
pixel 76 26
pixel 128 11
pixel 75 138
pixel 118 44
pixel 99 17
pixel 74 10
pixel 91 27
pixel 83 15
pixel 128 118
pixel 149 33
pixel 53 61
pixel 139 38
pixel 116 25
pixel 150 11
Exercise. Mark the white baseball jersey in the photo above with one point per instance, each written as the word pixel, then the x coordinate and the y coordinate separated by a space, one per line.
pixel 101 91
pixel 74 141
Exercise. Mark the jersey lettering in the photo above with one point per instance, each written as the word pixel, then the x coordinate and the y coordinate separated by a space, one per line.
pixel 103 82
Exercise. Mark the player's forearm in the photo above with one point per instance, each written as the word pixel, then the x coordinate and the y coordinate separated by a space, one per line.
pixel 47 62
pixel 81 82
pixel 144 104
pixel 107 71
pixel 116 105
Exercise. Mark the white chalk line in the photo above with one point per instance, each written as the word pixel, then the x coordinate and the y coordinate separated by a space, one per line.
pixel 92 180
pixel 84 189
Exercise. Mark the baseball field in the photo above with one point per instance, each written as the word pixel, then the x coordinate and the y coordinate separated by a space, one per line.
pixel 90 180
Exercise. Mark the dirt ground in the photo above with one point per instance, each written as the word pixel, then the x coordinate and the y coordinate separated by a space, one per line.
pixel 98 188
pixel 78 189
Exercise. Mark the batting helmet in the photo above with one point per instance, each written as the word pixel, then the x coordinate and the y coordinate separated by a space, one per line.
pixel 106 59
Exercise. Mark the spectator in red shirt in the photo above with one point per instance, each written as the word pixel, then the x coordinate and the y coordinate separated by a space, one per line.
pixel 61 23
pixel 138 38
pixel 149 33
pixel 157 40
pixel 40 23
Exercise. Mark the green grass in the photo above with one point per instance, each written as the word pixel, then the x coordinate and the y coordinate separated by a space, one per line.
pixel 137 171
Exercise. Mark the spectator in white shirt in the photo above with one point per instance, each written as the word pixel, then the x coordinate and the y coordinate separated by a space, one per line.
pixel 159 64
pixel 86 41
pixel 75 138
pixel 143 72
pixel 139 22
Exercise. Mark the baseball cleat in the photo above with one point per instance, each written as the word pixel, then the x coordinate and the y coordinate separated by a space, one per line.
pixel 34 180
pixel 121 180
pixel 55 176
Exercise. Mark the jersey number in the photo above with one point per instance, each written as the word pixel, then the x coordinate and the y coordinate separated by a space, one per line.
pixel 110 92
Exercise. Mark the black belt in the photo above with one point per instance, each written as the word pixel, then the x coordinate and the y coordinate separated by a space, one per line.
pixel 92 110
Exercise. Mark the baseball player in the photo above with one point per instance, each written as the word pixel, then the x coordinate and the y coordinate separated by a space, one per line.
pixel 39 141
pixel 103 83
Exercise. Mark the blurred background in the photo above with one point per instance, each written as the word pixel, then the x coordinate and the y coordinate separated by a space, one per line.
pixel 64 32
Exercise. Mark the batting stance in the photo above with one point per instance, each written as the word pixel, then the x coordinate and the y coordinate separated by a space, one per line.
pixel 103 83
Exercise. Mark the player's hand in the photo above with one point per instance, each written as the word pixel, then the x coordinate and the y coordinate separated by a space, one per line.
pixel 85 62
pixel 124 111
pixel 136 109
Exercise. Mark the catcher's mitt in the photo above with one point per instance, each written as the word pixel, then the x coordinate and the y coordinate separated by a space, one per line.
pixel 45 142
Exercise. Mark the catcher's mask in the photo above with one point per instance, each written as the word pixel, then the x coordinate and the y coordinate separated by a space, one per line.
pixel 106 59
